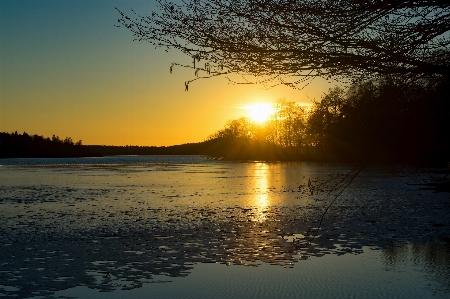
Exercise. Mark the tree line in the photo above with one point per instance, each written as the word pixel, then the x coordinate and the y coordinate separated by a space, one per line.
pixel 14 145
pixel 380 120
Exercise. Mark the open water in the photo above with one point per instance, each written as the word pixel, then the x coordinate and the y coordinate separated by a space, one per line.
pixel 189 227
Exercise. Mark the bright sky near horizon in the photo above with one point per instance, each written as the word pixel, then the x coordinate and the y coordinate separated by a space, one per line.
pixel 65 69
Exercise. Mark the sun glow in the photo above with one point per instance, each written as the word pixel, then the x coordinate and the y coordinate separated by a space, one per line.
pixel 260 112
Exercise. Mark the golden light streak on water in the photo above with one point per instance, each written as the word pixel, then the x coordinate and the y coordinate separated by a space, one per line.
pixel 262 200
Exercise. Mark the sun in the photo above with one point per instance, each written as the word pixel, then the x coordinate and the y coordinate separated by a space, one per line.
pixel 260 112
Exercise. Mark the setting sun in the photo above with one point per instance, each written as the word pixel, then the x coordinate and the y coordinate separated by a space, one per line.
pixel 260 112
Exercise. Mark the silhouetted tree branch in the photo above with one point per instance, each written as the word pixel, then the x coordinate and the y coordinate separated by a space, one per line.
pixel 291 42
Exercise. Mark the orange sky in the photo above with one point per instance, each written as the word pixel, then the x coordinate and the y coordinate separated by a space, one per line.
pixel 66 70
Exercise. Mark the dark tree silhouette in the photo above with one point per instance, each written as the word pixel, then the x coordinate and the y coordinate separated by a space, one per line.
pixel 291 42
pixel 383 120
pixel 15 145
pixel 374 121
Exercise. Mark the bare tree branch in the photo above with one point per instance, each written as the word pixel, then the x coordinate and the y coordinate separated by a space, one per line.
pixel 284 40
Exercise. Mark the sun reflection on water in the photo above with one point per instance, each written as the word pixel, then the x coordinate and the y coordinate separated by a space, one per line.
pixel 262 191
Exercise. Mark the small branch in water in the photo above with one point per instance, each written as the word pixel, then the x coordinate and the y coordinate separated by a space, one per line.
pixel 344 183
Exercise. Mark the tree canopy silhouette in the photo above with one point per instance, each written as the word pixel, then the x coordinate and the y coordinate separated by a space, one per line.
pixel 291 42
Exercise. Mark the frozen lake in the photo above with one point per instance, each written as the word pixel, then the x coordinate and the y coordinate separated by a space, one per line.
pixel 189 227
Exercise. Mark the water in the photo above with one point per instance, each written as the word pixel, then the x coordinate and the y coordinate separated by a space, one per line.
pixel 189 227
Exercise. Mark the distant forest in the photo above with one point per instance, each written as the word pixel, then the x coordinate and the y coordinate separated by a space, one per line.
pixel 374 121
pixel 16 145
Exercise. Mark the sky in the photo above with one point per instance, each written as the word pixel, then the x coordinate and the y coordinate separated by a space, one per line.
pixel 66 70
